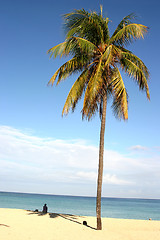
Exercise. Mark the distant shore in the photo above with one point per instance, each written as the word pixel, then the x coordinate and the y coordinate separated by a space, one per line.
pixel 17 224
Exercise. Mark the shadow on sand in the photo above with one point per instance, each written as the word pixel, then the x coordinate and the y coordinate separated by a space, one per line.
pixel 69 217
pixel 4 225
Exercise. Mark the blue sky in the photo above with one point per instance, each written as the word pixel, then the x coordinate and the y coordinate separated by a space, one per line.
pixel 42 152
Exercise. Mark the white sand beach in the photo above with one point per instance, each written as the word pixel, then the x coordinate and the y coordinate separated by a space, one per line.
pixel 16 224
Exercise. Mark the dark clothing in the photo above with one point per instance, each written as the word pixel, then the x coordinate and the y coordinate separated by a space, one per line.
pixel 45 208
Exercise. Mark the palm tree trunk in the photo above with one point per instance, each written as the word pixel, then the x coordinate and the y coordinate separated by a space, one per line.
pixel 100 167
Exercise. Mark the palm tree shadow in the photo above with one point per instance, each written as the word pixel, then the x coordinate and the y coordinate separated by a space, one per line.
pixel 69 217
pixel 37 213
pixel 4 225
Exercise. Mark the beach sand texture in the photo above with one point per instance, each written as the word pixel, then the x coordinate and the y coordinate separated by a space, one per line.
pixel 16 224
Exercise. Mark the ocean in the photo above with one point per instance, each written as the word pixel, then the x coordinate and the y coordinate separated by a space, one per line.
pixel 125 208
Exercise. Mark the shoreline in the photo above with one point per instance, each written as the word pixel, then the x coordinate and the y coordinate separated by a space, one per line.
pixel 18 224
pixel 83 216
pixel 84 206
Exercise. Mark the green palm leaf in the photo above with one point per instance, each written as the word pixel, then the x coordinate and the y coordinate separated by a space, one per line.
pixel 84 46
pixel 125 21
pixel 120 101
pixel 137 61
pixel 128 33
pixel 95 82
pixel 135 69
pixel 75 92
pixel 72 66
pixel 108 55
pixel 58 50
pixel 90 26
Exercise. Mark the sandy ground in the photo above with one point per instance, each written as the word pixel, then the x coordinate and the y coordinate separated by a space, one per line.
pixel 18 224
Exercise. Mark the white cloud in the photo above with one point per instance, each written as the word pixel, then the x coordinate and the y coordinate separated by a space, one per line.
pixel 28 159
pixel 138 148
pixel 89 176
pixel 113 179
pixel 107 178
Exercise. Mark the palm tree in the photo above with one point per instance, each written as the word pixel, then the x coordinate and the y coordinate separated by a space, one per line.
pixel 98 58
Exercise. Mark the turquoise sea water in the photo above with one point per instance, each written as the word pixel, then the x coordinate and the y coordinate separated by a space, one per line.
pixel 85 206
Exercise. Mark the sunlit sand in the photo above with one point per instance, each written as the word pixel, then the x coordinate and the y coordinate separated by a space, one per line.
pixel 18 224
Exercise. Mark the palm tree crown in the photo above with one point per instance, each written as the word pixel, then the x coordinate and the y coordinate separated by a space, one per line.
pixel 98 58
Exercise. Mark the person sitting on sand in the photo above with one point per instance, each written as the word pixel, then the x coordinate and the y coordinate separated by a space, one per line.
pixel 45 208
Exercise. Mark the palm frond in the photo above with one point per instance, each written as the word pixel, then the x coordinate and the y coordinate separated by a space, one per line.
pixel 128 33
pixel 95 82
pixel 74 19
pixel 75 92
pixel 72 66
pixel 125 21
pixel 53 78
pixel 108 55
pixel 89 109
pixel 137 61
pixel 81 46
pixel 120 96
pixel 58 50
pixel 93 91
pixel 136 69
pixel 90 26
